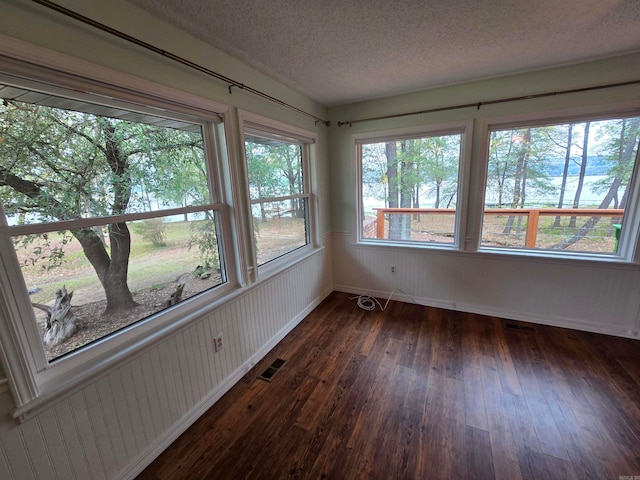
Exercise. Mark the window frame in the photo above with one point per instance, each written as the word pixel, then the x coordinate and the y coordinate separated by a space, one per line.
pixel 307 140
pixel 465 129
pixel 629 239
pixel 35 381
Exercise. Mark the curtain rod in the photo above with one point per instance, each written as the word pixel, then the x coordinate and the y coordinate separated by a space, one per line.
pixel 231 82
pixel 492 102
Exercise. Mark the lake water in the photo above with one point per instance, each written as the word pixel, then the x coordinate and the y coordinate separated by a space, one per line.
pixel 588 197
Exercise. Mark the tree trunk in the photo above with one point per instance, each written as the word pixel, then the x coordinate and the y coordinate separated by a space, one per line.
pixel 175 297
pixel 565 173
pixel 517 182
pixel 114 279
pixel 115 285
pixel 394 189
pixel 60 320
pixel 583 170
pixel 263 213
pixel 112 272
pixel 525 173
pixel 625 156
pixel 406 190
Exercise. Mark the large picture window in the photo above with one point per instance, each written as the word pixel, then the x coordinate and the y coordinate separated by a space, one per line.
pixel 277 163
pixel 110 210
pixel 560 187
pixel 409 187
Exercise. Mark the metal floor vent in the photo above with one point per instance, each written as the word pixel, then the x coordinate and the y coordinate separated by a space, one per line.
pixel 520 328
pixel 270 372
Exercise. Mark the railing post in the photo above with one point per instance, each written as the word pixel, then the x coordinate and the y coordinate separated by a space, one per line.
pixel 532 229
pixel 380 224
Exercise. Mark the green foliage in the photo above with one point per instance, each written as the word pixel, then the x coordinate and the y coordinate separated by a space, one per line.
pixel 619 148
pixel 203 237
pixel 152 230
pixel 60 165
pixel 43 250
pixel 274 170
pixel 517 165
pixel 422 167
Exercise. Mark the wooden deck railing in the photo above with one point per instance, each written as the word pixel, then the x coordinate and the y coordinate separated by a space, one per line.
pixel 532 214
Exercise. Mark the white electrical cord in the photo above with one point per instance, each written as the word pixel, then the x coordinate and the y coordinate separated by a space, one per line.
pixel 367 302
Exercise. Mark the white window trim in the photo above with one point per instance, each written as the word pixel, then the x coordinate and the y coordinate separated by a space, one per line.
pixel 34 384
pixel 307 140
pixel 465 129
pixel 629 244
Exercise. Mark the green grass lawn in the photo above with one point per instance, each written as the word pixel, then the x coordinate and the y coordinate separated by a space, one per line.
pixel 149 264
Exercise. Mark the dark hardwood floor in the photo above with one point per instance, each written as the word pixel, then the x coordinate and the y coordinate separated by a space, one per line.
pixel 423 393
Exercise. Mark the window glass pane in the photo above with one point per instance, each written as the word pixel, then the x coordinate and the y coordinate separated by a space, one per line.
pixel 410 189
pixel 274 166
pixel 279 228
pixel 59 164
pixel 560 187
pixel 171 259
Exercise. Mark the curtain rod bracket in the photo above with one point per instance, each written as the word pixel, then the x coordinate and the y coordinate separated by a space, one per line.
pixel 239 85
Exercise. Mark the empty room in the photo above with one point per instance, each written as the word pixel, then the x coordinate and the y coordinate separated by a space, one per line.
pixel 312 239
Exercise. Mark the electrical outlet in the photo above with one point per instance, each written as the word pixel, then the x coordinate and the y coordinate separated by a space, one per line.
pixel 217 343
pixel 394 269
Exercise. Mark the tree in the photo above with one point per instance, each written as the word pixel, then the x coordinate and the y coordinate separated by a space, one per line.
pixel 501 165
pixel 263 178
pixel 566 152
pixel 407 180
pixel 620 149
pixel 275 170
pixel 395 226
pixel 288 159
pixel 583 170
pixel 412 167
pixel 64 165
pixel 523 140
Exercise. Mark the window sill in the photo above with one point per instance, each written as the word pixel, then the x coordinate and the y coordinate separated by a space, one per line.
pixel 430 246
pixel 285 262
pixel 566 258
pixel 504 254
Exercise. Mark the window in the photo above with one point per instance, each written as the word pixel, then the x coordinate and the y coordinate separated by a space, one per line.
pixel 277 160
pixel 560 187
pixel 110 213
pixel 409 187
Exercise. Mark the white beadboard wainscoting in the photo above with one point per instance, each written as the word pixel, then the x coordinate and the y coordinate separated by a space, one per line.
pixel 114 426
pixel 584 295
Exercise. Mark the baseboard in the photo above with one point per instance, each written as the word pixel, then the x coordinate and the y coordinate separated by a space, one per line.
pixel 154 450
pixel 556 321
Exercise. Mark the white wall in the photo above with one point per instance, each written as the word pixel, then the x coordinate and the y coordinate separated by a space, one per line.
pixel 115 424
pixel 584 295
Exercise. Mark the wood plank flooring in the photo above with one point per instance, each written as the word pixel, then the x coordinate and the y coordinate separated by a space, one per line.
pixel 423 393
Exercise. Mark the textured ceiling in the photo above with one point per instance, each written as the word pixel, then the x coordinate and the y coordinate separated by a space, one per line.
pixel 342 51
